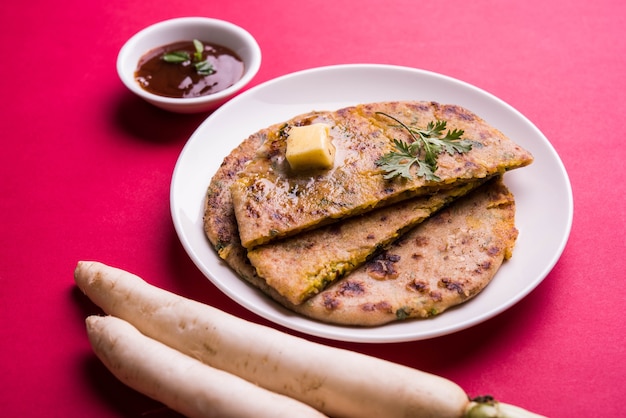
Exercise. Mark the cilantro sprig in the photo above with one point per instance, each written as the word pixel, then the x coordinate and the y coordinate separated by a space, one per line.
pixel 423 151
pixel 202 66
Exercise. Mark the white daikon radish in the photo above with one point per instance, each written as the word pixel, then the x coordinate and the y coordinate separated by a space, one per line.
pixel 338 382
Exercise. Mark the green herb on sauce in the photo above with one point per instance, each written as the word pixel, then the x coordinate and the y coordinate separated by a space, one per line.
pixel 203 67
pixel 423 151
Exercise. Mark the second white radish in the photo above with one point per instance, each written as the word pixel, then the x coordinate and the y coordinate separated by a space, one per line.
pixel 184 384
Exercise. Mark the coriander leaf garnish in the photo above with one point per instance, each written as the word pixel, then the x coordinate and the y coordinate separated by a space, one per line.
pixel 203 67
pixel 423 151
pixel 398 163
pixel 176 57
pixel 197 56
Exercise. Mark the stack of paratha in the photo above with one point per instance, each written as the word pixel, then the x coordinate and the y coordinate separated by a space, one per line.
pixel 348 246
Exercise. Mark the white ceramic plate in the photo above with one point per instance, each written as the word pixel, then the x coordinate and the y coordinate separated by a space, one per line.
pixel 542 190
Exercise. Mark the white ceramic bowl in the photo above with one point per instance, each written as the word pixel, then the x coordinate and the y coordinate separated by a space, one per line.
pixel 185 29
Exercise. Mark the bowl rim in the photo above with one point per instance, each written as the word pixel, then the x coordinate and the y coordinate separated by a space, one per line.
pixel 250 70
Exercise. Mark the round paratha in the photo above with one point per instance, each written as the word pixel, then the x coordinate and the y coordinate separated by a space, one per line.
pixel 442 262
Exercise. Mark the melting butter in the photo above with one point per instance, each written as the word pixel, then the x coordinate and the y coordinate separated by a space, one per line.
pixel 310 147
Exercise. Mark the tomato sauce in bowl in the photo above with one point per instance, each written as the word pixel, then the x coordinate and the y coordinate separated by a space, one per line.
pixel 183 79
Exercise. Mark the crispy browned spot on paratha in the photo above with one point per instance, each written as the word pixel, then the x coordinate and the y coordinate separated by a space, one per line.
pixel 271 202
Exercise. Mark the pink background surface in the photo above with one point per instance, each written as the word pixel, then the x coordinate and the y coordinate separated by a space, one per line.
pixel 86 170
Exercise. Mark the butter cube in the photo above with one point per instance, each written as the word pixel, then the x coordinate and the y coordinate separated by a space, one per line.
pixel 309 147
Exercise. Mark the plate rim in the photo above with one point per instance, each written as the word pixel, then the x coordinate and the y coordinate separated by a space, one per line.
pixel 365 334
